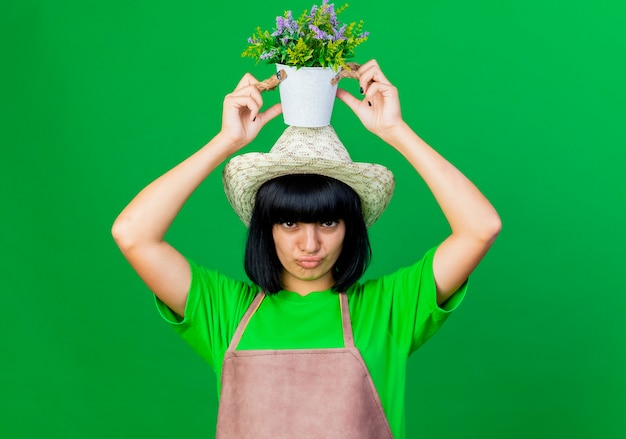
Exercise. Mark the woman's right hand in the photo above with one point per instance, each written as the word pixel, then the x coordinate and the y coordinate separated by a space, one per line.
pixel 241 118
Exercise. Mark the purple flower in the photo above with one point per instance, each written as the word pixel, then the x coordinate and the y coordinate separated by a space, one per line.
pixel 292 28
pixel 319 34
pixel 330 10
pixel 251 40
pixel 287 24
pixel 364 35
pixel 266 55
pixel 313 11
pixel 280 26
pixel 339 36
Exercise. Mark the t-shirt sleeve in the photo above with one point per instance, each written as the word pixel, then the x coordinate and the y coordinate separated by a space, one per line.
pixel 215 305
pixel 404 303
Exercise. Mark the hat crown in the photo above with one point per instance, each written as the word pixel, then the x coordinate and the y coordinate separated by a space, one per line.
pixel 305 150
pixel 319 143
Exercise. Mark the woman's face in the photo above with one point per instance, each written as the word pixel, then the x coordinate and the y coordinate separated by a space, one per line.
pixel 308 252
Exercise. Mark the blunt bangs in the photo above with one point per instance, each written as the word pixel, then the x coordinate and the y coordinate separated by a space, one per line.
pixel 308 198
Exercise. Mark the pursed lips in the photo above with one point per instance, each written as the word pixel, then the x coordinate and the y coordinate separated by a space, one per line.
pixel 309 262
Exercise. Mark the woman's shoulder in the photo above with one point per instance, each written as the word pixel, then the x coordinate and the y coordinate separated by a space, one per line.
pixel 205 274
pixel 220 285
pixel 410 272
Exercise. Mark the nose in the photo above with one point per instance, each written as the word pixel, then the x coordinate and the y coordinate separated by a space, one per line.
pixel 310 242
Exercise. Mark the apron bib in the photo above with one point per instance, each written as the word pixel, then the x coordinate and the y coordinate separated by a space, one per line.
pixel 299 393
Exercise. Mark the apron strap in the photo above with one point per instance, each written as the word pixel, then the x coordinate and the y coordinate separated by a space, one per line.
pixel 348 337
pixel 244 321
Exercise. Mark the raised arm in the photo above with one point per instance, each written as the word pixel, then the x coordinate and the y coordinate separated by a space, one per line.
pixel 140 229
pixel 474 222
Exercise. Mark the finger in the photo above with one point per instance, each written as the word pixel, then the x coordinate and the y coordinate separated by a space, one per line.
pixel 369 73
pixel 368 64
pixel 372 63
pixel 240 102
pixel 377 89
pixel 270 113
pixel 254 93
pixel 249 91
pixel 245 81
pixel 344 96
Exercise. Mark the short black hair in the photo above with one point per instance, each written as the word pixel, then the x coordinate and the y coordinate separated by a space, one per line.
pixel 307 198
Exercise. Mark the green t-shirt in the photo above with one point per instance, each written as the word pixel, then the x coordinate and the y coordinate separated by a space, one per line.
pixel 391 317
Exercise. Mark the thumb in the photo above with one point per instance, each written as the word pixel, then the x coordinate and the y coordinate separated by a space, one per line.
pixel 271 113
pixel 348 99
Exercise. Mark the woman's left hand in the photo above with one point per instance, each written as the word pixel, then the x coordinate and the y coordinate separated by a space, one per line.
pixel 379 111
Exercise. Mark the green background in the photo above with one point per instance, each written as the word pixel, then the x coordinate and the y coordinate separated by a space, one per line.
pixel 526 97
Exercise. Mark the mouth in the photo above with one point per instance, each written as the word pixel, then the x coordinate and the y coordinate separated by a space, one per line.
pixel 309 262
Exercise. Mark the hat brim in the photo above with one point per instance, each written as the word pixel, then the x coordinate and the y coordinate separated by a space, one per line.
pixel 246 173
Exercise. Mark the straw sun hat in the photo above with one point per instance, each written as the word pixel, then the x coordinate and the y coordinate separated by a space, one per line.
pixel 306 151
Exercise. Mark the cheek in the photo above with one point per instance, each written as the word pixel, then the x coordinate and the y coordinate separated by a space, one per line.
pixel 281 243
pixel 341 238
pixel 339 248
pixel 338 244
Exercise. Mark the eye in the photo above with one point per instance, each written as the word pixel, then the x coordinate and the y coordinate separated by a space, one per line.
pixel 288 224
pixel 328 223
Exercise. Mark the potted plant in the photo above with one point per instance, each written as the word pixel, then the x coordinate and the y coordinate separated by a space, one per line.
pixel 311 50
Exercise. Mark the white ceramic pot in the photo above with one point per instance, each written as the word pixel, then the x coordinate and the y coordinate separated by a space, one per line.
pixel 307 95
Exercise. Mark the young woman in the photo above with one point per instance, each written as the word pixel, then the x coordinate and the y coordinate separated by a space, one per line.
pixel 305 350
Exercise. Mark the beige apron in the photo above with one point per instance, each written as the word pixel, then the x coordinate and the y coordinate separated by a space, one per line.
pixel 299 393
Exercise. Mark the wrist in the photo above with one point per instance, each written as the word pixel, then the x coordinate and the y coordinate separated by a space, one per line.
pixel 398 134
pixel 225 144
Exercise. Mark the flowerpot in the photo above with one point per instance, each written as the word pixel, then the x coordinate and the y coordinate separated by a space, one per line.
pixel 307 95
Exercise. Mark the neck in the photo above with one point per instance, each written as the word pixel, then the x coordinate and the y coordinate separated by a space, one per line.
pixel 304 286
